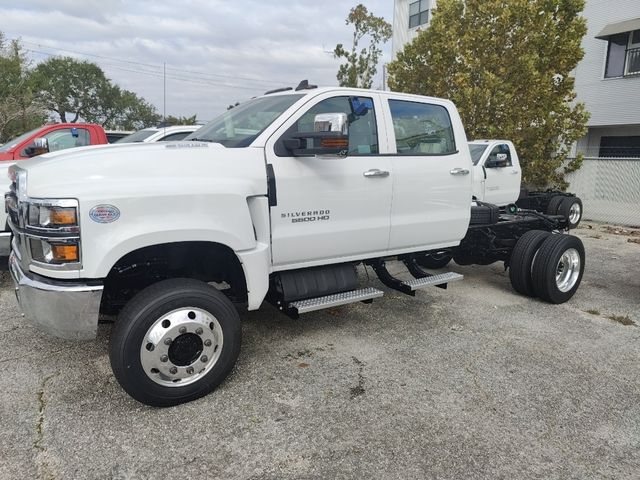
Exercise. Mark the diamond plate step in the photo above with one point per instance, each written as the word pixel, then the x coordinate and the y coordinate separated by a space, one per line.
pixel 433 280
pixel 319 303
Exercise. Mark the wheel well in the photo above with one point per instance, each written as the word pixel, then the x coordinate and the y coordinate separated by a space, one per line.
pixel 205 261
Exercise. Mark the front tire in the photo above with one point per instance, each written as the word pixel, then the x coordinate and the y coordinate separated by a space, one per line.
pixel 174 342
pixel 558 269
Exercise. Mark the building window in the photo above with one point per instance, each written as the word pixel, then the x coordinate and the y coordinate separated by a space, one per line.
pixel 625 147
pixel 418 13
pixel 623 55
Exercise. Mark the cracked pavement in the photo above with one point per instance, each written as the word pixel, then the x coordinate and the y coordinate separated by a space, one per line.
pixel 472 382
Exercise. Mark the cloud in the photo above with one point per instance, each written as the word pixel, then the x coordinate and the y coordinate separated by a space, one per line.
pixel 216 52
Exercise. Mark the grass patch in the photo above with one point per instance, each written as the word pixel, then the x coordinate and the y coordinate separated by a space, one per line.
pixel 623 319
pixel 593 311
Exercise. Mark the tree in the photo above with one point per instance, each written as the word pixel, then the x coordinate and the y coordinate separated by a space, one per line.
pixel 18 110
pixel 171 120
pixel 361 67
pixel 507 65
pixel 79 90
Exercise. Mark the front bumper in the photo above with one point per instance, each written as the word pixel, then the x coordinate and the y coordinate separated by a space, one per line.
pixel 5 244
pixel 64 309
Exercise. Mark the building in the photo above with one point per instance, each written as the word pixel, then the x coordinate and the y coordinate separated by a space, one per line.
pixel 608 78
pixel 409 17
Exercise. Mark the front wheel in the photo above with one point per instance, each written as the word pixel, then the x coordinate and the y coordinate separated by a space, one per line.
pixel 174 342
pixel 558 269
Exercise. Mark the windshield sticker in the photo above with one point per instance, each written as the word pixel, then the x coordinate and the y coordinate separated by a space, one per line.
pixel 104 214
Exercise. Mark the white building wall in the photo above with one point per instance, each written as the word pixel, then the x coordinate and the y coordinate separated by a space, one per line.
pixel 611 101
pixel 402 34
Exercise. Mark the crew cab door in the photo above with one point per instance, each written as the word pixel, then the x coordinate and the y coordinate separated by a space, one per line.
pixel 326 209
pixel 502 183
pixel 431 202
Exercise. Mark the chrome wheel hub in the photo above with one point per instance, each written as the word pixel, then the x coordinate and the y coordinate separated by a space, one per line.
pixel 575 212
pixel 568 270
pixel 181 347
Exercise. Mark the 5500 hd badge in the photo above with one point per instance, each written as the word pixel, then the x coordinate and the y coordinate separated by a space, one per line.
pixel 308 216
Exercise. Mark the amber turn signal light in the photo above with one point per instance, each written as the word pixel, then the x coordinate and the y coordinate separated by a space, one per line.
pixel 64 253
pixel 63 216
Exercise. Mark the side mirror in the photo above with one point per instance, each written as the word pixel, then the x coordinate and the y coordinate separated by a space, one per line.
pixel 330 136
pixel 501 160
pixel 38 147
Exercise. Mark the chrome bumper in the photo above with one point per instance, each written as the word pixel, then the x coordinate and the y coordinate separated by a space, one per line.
pixel 5 244
pixel 63 309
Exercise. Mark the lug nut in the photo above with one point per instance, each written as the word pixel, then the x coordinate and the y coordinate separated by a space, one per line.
pixel 173 370
pixel 207 343
pixel 204 359
pixel 167 341
pixel 190 370
pixel 199 331
pixel 183 330
pixel 164 358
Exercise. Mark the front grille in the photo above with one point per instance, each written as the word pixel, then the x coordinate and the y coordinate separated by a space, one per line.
pixel 11 203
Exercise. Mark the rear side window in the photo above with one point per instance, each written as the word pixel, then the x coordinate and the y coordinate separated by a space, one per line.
pixel 67 138
pixel 422 128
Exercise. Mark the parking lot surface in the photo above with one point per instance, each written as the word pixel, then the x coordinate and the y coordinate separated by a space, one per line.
pixel 471 382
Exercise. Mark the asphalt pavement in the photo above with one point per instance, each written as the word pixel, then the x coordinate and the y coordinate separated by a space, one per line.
pixel 472 382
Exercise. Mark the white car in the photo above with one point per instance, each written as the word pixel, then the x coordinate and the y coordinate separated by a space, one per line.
pixel 160 134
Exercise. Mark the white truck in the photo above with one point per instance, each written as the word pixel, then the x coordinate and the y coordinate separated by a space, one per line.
pixel 278 199
pixel 497 176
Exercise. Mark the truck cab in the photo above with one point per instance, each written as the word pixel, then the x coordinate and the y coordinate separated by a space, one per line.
pixel 496 171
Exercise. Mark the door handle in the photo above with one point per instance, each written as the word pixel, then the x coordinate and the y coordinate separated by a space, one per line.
pixel 376 172
pixel 459 171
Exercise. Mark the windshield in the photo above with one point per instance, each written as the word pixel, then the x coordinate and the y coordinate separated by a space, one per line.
pixel 137 136
pixel 11 144
pixel 241 125
pixel 476 151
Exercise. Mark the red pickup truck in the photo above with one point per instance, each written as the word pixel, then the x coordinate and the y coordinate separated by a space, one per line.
pixel 58 136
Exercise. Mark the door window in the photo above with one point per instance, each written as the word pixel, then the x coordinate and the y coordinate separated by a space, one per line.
pixel 67 138
pixel 172 137
pixel 363 132
pixel 422 128
pixel 500 156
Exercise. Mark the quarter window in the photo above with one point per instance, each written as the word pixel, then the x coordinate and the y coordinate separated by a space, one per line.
pixel 418 13
pixel 422 128
pixel 363 132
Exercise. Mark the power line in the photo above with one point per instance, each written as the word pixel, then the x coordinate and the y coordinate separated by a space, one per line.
pixel 159 67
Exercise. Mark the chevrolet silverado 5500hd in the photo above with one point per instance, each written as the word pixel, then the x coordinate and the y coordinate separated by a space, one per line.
pixel 278 200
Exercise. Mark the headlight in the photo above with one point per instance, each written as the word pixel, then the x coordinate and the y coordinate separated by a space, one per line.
pixel 54 252
pixel 47 216
pixel 53 215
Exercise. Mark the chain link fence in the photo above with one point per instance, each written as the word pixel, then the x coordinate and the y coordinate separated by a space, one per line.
pixel 609 189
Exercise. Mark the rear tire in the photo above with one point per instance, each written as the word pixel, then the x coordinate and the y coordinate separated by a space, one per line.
pixel 175 341
pixel 554 204
pixel 522 259
pixel 571 209
pixel 558 269
pixel 435 260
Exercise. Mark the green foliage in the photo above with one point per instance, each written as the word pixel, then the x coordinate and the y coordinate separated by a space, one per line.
pixel 507 65
pixel 18 110
pixel 79 90
pixel 171 120
pixel 361 67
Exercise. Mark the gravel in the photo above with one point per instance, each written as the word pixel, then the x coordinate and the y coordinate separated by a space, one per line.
pixel 471 382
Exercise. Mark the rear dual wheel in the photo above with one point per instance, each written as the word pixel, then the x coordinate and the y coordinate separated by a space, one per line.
pixel 569 207
pixel 547 266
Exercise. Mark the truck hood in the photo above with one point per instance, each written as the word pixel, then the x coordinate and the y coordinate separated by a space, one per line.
pixel 133 168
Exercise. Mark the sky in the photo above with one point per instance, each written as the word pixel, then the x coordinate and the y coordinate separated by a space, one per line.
pixel 216 52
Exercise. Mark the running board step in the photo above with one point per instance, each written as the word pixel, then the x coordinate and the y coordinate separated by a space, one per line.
pixel 433 280
pixel 328 301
